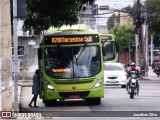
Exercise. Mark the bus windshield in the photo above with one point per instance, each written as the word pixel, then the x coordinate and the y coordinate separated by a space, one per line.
pixel 109 48
pixel 72 61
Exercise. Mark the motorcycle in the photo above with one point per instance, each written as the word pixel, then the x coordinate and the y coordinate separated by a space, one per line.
pixel 157 70
pixel 133 85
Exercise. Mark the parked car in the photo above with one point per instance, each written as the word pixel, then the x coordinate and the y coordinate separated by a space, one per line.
pixel 115 74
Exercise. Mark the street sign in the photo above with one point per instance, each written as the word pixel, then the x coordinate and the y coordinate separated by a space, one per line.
pixel 20 50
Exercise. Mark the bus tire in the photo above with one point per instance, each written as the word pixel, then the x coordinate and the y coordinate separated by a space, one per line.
pixel 50 103
pixel 123 86
pixel 93 101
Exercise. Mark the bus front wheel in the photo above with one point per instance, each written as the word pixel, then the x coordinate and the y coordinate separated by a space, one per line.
pixel 93 101
pixel 49 103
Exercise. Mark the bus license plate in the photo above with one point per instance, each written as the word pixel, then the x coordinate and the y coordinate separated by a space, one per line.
pixel 112 81
pixel 74 96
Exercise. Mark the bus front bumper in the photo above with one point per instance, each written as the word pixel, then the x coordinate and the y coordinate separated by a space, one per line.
pixel 75 94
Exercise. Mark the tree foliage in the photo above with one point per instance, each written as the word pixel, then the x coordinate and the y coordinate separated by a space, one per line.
pixel 153 15
pixel 42 14
pixel 153 19
pixel 123 34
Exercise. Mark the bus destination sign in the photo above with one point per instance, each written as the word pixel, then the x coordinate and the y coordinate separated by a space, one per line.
pixel 70 39
pixel 105 37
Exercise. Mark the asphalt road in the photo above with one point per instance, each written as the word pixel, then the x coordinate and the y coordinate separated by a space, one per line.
pixel 115 104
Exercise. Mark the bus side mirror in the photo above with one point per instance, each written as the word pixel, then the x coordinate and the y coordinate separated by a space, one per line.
pixel 39 53
pixel 117 47
pixel 103 51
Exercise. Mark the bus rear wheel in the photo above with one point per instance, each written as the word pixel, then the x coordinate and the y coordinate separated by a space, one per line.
pixel 93 101
pixel 49 103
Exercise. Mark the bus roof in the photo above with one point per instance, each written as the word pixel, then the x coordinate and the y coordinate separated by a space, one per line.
pixel 61 33
pixel 106 34
pixel 67 30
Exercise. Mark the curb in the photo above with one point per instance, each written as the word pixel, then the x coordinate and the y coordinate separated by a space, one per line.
pixel 150 79
pixel 145 79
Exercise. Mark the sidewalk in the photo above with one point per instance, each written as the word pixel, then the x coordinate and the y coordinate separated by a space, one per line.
pixel 151 75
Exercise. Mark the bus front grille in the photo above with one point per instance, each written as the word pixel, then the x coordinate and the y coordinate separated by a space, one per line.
pixel 68 94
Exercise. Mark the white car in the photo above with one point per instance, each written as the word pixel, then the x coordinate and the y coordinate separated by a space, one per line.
pixel 115 74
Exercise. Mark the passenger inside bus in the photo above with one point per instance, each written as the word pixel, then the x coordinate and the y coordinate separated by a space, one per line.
pixel 68 62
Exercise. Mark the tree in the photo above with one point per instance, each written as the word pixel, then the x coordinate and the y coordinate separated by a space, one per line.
pixel 42 14
pixel 124 33
pixel 153 10
pixel 153 18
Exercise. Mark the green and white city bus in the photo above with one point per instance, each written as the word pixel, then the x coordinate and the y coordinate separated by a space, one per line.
pixel 71 66
pixel 109 47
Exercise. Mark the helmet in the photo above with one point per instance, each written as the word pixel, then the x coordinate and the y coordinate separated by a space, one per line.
pixel 133 64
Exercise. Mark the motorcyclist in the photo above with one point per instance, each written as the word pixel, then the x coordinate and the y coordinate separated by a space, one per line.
pixel 133 68
pixel 130 72
pixel 156 69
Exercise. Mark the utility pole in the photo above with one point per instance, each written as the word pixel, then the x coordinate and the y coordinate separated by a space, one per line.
pixel 138 34
pixel 129 51
pixel 137 50
pixel 151 49
pixel 141 40
pixel 5 56
pixel 145 41
pixel 15 58
pixel 147 51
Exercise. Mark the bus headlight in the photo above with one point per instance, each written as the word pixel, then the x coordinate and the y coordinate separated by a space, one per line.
pixel 49 86
pixel 98 83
